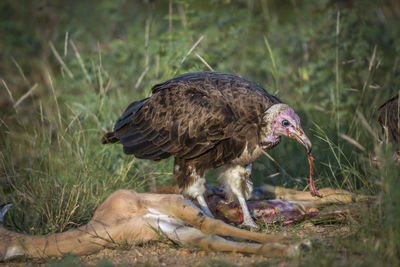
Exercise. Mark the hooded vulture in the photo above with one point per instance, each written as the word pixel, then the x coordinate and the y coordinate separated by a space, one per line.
pixel 207 120
pixel 389 114
pixel 389 119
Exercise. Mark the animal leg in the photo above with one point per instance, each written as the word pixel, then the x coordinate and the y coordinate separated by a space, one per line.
pixel 330 195
pixel 193 236
pixel 178 207
pixel 119 219
pixel 174 214
pixel 237 180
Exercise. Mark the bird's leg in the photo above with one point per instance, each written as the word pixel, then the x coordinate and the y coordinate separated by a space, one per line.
pixel 237 180
pixel 197 190
pixel 191 183
pixel 203 205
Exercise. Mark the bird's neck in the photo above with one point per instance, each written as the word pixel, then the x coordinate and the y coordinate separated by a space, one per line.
pixel 269 141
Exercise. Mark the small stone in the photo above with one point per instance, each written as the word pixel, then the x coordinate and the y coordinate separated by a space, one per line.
pixel 185 252
pixel 202 253
pixel 308 226
pixel 300 234
pixel 345 229
pixel 312 210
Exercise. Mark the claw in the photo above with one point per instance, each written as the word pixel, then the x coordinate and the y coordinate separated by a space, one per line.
pixel 204 206
pixel 3 210
pixel 251 224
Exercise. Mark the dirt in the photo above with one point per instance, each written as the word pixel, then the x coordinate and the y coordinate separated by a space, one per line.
pixel 162 254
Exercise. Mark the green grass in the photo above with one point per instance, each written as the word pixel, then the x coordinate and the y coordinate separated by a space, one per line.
pixel 55 170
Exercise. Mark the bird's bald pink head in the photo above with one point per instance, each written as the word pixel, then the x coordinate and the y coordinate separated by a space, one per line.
pixel 284 121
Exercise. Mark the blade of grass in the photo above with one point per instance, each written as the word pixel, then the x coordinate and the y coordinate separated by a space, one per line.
pixel 66 44
pixel 21 72
pixel 79 58
pixel 274 68
pixel 203 61
pixel 22 98
pixel 8 91
pixel 192 48
pixel 62 63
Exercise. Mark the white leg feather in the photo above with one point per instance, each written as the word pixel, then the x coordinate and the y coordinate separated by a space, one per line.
pixel 236 179
pixel 197 190
pixel 247 220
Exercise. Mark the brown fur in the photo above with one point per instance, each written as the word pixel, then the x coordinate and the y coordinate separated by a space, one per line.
pixel 124 217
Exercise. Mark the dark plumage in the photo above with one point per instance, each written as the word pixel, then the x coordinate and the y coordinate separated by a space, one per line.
pixel 190 115
pixel 389 119
pixel 206 120
pixel 389 114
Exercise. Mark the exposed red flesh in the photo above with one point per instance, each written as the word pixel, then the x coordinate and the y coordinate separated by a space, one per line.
pixel 313 190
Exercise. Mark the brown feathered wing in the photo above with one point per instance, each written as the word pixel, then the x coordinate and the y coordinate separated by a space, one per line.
pixel 190 115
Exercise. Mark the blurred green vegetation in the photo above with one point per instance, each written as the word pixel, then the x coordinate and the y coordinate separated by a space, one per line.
pixel 67 70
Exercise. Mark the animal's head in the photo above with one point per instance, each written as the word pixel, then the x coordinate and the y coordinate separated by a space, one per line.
pixel 281 120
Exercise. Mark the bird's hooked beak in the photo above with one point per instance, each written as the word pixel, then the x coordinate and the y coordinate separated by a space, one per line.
pixel 299 135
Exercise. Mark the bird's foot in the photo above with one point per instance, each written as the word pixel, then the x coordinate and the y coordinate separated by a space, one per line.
pixel 250 224
pixel 3 211
pixel 247 219
pixel 207 211
pixel 203 206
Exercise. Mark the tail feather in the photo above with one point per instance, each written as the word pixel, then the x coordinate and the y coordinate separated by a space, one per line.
pixel 109 138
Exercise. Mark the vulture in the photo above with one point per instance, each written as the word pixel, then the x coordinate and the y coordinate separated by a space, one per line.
pixel 389 114
pixel 207 120
pixel 389 119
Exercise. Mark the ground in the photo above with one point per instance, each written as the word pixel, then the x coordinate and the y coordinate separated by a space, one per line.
pixel 162 254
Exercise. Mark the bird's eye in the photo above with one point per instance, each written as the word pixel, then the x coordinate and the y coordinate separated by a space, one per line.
pixel 285 123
